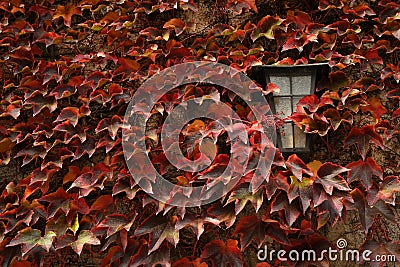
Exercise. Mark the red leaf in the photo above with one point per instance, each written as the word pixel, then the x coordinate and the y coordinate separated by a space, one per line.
pixel 359 10
pixel 223 213
pixel 67 12
pixel 154 34
pixel 69 113
pixel 336 119
pixel 57 200
pixel 313 103
pixel 367 212
pixel 328 177
pixel 375 107
pixel 391 70
pixel 112 125
pixel 363 172
pixel 237 6
pixel 330 207
pixel 266 27
pixel 31 153
pixel 362 137
pixel 42 175
pixel 187 262
pixel 177 24
pixel 6 145
pixel 220 254
pixel 87 147
pixel 196 223
pixel 297 167
pixel 278 181
pixel 365 84
pixel 63 90
pixel 299 19
pixel 40 102
pixel 127 66
pixel 115 222
pixel 330 4
pixel 103 203
pixel 336 81
pixel 281 203
pixel 160 228
pixel 146 258
pixel 242 195
pixel 249 228
pixel 301 189
pixel 386 191
pixel 379 250
pixel 252 228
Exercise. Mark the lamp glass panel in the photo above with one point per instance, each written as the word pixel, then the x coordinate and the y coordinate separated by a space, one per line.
pixel 296 100
pixel 300 138
pixel 301 85
pixel 287 135
pixel 283 106
pixel 283 82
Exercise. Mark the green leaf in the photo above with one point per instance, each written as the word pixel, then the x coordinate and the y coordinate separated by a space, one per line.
pixel 85 237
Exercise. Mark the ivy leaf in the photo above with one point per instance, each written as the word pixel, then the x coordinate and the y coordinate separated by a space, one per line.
pixel 301 189
pixel 297 167
pixel 177 24
pixel 375 107
pixel 58 200
pixel 313 103
pixel 281 203
pixel 336 119
pixel 265 27
pixel 363 172
pixel 47 240
pixel 362 137
pixel 336 81
pixel 278 181
pixel 103 203
pixel 27 237
pixel 187 262
pixel 196 223
pixel 237 6
pixel 380 249
pixel 69 113
pixel 67 12
pixel 242 195
pixel 112 125
pixel 330 208
pixel 146 258
pixel 115 222
pixel 367 212
pixel 386 191
pixel 391 71
pixel 359 10
pixel 224 214
pixel 85 237
pixel 249 228
pixel 39 102
pixel 328 177
pixel 39 175
pixel 160 228
pixel 127 66
pixel 62 91
pixel 252 228
pixel 221 254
